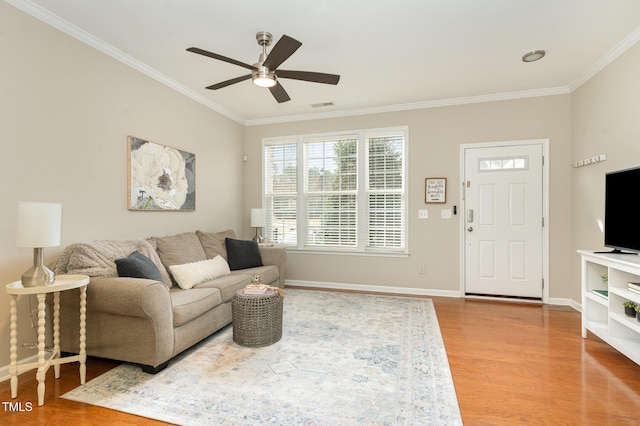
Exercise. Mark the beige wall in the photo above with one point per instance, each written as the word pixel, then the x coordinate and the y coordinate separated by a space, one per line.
pixel 435 137
pixel 606 120
pixel 67 109
pixel 65 113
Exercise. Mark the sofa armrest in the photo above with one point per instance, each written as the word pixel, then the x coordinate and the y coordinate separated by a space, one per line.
pixel 275 256
pixel 133 297
pixel 128 319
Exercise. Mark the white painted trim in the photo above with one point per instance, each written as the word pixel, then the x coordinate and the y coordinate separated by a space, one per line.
pixel 55 21
pixel 545 206
pixel 415 105
pixel 347 253
pixel 67 27
pixel 409 291
pixel 555 301
pixel 361 135
pixel 546 236
pixel 563 301
pixel 609 57
pixel 4 370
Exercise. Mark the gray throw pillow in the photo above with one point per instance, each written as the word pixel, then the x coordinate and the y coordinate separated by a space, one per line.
pixel 242 254
pixel 137 265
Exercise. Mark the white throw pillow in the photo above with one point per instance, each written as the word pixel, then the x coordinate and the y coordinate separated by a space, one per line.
pixel 189 274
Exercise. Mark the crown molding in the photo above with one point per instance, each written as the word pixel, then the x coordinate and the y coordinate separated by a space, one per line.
pixel 57 22
pixel 414 105
pixel 68 28
pixel 605 60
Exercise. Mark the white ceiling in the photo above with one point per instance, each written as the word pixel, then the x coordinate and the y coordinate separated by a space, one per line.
pixel 391 55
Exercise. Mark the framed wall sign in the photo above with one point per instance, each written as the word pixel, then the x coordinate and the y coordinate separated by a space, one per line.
pixel 435 190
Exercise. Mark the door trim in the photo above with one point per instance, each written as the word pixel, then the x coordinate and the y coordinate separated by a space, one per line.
pixel 545 208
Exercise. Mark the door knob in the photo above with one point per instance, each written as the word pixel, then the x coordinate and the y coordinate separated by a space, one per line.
pixel 470 229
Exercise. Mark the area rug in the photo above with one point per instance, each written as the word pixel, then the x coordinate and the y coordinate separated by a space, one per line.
pixel 344 359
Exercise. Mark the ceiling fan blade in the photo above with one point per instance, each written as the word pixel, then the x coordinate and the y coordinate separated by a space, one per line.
pixel 281 52
pixel 315 77
pixel 279 93
pixel 228 82
pixel 219 57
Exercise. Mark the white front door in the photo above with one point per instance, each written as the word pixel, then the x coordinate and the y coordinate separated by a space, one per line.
pixel 503 233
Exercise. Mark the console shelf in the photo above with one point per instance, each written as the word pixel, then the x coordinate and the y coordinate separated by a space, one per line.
pixel 605 317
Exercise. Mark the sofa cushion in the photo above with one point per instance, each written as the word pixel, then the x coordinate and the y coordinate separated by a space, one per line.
pixel 188 305
pixel 242 254
pixel 189 274
pixel 268 273
pixel 227 285
pixel 214 244
pixel 179 249
pixel 137 265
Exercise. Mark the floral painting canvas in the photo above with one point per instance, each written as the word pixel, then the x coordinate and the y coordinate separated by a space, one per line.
pixel 160 177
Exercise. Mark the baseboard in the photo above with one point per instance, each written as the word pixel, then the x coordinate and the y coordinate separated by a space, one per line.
pixel 566 302
pixel 409 291
pixel 4 371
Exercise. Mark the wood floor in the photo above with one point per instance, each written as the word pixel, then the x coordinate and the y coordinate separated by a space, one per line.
pixel 512 363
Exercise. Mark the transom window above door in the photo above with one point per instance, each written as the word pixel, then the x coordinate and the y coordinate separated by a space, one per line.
pixel 503 163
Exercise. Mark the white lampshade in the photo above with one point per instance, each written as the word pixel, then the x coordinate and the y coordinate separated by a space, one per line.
pixel 257 218
pixel 39 224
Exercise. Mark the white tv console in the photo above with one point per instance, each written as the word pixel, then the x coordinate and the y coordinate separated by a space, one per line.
pixel 605 317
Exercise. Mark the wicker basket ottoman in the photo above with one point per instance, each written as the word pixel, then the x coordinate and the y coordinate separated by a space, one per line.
pixel 257 318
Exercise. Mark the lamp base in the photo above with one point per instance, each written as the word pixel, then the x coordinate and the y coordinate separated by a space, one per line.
pixel 258 238
pixel 38 276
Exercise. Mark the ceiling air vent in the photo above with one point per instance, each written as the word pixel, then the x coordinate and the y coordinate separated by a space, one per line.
pixel 322 104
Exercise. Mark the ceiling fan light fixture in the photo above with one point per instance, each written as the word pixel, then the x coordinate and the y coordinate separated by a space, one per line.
pixel 264 81
pixel 533 56
pixel 262 77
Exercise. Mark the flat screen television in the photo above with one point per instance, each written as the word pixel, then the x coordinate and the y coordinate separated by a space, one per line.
pixel 622 210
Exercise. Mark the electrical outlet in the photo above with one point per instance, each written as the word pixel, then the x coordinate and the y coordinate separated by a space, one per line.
pixel 421 269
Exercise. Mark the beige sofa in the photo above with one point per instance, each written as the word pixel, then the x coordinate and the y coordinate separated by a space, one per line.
pixel 147 321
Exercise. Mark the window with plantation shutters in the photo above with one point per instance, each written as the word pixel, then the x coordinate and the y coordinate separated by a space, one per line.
pixel 385 192
pixel 281 192
pixel 343 192
pixel 331 191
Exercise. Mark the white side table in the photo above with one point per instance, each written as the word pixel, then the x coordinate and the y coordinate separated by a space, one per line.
pixel 61 283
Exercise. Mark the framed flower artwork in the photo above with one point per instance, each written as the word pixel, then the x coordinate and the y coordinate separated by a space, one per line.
pixel 160 178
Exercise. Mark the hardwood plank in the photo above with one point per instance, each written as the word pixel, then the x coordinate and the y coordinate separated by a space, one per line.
pixel 512 363
pixel 517 363
pixel 60 411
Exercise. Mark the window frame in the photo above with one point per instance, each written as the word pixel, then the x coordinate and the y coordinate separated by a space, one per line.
pixel 362 193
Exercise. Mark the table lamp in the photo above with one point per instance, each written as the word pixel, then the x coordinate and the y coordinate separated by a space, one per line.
pixel 257 221
pixel 38 227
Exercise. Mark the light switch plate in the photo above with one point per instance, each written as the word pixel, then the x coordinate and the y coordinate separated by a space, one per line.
pixel 445 213
pixel 423 214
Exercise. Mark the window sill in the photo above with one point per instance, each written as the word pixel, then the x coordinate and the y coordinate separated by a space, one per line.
pixel 295 250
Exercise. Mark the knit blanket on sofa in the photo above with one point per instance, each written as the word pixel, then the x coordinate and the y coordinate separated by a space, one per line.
pixel 97 258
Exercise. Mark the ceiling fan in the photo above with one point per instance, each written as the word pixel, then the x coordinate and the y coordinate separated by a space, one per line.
pixel 265 72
